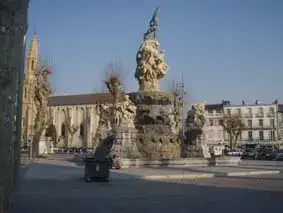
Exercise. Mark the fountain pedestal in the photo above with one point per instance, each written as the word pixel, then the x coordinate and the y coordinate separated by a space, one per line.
pixel 155 137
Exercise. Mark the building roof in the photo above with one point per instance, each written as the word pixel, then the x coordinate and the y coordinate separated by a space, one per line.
pixel 216 107
pixel 83 99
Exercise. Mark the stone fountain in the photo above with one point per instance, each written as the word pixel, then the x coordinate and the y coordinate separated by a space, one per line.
pixel 156 121
pixel 143 128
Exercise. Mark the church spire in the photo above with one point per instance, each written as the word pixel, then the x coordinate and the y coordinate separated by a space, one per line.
pixel 32 59
pixel 33 48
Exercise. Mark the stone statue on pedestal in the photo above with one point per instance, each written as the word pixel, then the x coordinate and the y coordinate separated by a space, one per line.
pixel 194 129
pixel 151 65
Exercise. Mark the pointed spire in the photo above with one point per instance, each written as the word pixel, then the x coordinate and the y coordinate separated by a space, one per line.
pixel 33 51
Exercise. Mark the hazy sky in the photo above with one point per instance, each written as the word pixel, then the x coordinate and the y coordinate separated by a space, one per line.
pixel 227 49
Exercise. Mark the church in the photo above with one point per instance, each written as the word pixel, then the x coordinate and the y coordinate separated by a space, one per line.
pixel 80 109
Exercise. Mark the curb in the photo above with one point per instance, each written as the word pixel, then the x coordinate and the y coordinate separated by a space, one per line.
pixel 127 176
pixel 262 172
pixel 178 176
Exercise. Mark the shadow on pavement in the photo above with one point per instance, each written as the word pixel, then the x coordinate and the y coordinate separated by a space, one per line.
pixel 51 188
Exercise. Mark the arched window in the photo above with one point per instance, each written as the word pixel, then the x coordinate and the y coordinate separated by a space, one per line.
pixel 25 93
pixel 82 129
pixel 32 65
pixel 24 122
pixel 63 130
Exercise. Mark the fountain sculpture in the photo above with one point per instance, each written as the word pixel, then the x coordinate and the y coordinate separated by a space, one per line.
pixel 194 144
pixel 142 124
pixel 155 116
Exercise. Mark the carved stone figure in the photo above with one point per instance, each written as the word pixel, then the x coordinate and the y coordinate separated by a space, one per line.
pixel 42 91
pixel 151 65
pixel 199 112
pixel 194 128
pixel 126 112
pixel 105 113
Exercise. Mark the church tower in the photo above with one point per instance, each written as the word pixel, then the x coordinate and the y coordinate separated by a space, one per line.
pixel 29 110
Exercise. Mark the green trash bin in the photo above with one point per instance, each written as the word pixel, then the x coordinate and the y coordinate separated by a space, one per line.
pixel 96 169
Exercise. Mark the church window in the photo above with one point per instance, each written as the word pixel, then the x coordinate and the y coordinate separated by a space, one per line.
pixel 82 129
pixel 24 122
pixel 32 64
pixel 63 130
pixel 25 93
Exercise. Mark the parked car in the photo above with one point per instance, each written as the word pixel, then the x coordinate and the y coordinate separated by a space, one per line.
pixel 235 152
pixel 248 154
pixel 279 155
pixel 271 155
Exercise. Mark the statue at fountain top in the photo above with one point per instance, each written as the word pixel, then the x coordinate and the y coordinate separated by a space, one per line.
pixel 153 24
pixel 151 65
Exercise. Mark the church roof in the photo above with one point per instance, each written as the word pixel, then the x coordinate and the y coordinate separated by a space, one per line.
pixel 82 99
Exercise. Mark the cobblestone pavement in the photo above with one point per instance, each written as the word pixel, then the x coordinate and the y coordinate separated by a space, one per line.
pixel 51 188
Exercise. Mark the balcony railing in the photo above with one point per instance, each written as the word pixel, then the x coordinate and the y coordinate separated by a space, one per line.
pixel 260 115
pixel 248 115
pixel 214 115
pixel 263 127
pixel 271 114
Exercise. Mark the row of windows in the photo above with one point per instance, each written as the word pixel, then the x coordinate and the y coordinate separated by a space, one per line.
pixel 261 135
pixel 217 122
pixel 260 111
pixel 260 123
pixel 250 135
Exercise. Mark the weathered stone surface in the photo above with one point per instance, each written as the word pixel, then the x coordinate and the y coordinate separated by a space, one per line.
pixel 158 146
pixel 153 107
pixel 155 139
pixel 152 98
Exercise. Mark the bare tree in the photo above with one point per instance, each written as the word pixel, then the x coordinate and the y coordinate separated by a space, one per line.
pixel 233 125
pixel 113 69
pixel 175 88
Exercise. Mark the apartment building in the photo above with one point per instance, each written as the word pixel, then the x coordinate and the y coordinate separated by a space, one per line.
pixel 280 120
pixel 261 122
pixel 213 131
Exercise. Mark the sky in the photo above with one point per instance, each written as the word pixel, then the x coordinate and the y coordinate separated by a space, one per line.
pixel 226 49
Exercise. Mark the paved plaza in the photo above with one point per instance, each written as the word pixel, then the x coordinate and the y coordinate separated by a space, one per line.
pixel 57 186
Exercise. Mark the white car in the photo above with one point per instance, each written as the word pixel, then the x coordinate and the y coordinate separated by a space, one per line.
pixel 235 152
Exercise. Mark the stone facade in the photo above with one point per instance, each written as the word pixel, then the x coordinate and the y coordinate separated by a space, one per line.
pixel 13 27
